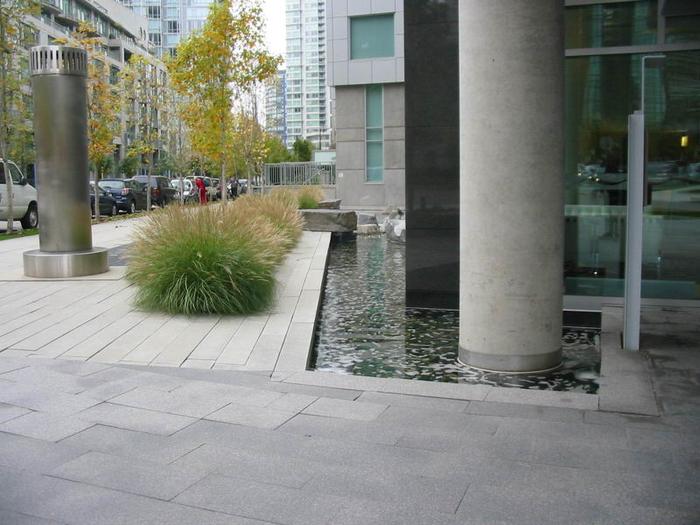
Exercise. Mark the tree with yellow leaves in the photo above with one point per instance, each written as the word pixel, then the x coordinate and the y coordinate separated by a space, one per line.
pixel 227 56
pixel 142 88
pixel 103 103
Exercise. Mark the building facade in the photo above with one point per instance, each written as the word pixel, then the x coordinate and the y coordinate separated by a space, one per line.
pixel 366 71
pixel 125 34
pixel 307 95
pixel 275 105
pixel 170 21
pixel 604 45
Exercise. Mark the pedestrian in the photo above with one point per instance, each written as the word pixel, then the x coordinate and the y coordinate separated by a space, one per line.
pixel 202 190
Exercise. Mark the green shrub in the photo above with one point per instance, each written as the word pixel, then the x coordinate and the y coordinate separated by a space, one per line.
pixel 308 197
pixel 209 259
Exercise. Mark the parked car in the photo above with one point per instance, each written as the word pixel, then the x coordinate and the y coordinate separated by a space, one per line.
pixel 161 191
pixel 108 204
pixel 189 190
pixel 217 186
pixel 129 194
pixel 24 202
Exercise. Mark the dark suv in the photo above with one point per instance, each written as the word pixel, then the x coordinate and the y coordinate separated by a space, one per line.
pixel 129 194
pixel 161 191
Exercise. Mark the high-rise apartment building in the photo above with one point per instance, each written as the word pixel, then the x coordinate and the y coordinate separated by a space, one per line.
pixel 169 21
pixel 275 105
pixel 307 98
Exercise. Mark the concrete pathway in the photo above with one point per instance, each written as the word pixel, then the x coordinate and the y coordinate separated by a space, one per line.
pixel 90 443
pixel 93 318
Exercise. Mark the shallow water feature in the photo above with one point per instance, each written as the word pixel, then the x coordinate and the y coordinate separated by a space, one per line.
pixel 365 329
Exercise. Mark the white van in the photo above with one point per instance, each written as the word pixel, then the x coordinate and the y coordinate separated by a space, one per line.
pixel 24 203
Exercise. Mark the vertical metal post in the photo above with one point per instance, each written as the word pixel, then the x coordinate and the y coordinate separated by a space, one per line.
pixel 60 131
pixel 635 211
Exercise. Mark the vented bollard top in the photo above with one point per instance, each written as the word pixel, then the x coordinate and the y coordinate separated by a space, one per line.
pixel 58 60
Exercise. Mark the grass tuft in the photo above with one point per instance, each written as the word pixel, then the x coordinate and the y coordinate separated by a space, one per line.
pixel 213 259
pixel 308 197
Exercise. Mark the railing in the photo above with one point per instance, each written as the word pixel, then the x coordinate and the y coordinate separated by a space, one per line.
pixel 299 174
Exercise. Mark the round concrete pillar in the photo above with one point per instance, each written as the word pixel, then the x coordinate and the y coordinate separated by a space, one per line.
pixel 511 59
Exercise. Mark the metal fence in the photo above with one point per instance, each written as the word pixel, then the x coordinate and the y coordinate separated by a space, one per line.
pixel 299 174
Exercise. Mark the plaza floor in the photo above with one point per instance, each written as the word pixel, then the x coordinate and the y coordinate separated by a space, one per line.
pixel 88 442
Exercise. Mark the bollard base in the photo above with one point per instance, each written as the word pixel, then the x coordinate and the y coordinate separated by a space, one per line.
pixel 65 264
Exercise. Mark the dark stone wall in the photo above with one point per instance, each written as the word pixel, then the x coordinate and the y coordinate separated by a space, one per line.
pixel 432 153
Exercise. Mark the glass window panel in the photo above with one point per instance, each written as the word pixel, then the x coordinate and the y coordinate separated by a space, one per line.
pixel 374 106
pixel 600 92
pixel 683 29
pixel 375 134
pixel 617 24
pixel 375 174
pixel 375 155
pixel 372 36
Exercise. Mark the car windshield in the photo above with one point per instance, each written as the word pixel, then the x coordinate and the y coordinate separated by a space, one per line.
pixel 111 184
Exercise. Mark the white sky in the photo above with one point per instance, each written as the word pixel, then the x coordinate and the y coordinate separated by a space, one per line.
pixel 275 26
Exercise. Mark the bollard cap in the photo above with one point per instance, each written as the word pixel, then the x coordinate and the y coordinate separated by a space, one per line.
pixel 58 60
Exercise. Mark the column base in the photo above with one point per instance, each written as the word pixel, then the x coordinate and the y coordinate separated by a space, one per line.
pixel 65 264
pixel 511 364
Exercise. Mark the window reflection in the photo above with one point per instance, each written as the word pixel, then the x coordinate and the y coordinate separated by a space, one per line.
pixel 601 92
pixel 617 24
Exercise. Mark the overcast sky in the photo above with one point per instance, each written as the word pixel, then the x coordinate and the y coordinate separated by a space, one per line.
pixel 275 27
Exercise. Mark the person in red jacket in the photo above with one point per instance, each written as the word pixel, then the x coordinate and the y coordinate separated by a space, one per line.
pixel 202 190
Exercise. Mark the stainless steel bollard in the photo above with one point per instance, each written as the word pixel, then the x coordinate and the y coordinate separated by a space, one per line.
pixel 59 76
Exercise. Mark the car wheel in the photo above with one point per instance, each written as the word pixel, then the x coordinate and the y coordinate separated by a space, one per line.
pixel 132 207
pixel 114 211
pixel 31 218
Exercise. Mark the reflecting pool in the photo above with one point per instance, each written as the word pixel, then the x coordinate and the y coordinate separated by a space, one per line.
pixel 365 329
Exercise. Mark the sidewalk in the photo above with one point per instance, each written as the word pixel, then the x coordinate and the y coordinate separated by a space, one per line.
pixel 83 442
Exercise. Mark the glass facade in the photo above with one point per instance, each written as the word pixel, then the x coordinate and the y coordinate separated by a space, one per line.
pixel 374 129
pixel 372 36
pixel 601 91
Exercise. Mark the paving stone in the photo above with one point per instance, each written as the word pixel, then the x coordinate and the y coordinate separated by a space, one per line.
pixel 40 425
pixel 77 503
pixel 269 468
pixel 47 378
pixel 136 477
pixel 23 453
pixel 411 491
pixel 251 416
pixel 543 398
pixel 292 402
pixel 185 401
pixel 353 430
pixel 8 412
pixel 374 513
pixel 490 408
pixel 131 444
pixel 428 403
pixel 339 408
pixel 204 364
pixel 37 397
pixel 13 518
pixel 629 393
pixel 261 501
pixel 135 419
pixel 417 420
pixel 614 437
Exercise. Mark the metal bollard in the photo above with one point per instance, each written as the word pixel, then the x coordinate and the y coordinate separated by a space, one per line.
pixel 59 75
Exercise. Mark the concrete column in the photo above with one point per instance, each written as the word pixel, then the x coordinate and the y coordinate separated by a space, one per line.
pixel 511 67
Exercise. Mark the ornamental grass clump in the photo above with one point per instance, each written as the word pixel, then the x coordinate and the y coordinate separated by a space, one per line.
pixel 190 260
pixel 308 197
pixel 278 209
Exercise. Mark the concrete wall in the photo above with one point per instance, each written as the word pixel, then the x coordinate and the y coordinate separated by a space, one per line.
pixel 342 71
pixel 352 186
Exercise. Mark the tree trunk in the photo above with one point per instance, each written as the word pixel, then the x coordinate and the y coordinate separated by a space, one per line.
pixel 4 95
pixel 182 190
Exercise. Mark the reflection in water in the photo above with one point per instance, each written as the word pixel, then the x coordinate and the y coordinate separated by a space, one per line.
pixel 365 329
